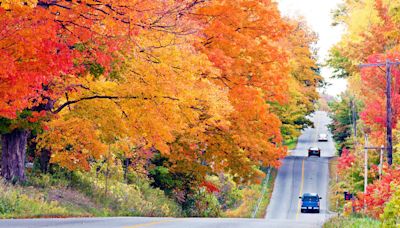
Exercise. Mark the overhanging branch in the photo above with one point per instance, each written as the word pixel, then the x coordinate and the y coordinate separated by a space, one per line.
pixel 110 98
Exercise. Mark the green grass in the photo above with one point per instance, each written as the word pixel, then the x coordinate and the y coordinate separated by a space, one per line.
pixel 83 195
pixel 291 143
pixel 352 221
pixel 127 199
pixel 14 203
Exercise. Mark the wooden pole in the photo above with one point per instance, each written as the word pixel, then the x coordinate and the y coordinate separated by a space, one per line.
pixel 389 112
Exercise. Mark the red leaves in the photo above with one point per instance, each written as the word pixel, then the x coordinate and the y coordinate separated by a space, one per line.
pixel 379 193
pixel 210 187
pixel 374 88
pixel 36 116
pixel 346 160
pixel 34 55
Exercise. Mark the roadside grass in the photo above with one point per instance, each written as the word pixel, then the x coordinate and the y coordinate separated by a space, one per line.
pixel 267 197
pixel 123 199
pixel 251 195
pixel 84 196
pixel 335 197
pixel 291 143
pixel 352 221
pixel 14 203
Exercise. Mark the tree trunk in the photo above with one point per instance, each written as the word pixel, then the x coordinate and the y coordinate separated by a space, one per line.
pixel 13 155
pixel 44 160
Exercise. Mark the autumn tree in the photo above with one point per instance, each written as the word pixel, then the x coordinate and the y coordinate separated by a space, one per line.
pixel 70 38
pixel 197 81
pixel 155 98
pixel 371 37
pixel 240 38
pixel 303 81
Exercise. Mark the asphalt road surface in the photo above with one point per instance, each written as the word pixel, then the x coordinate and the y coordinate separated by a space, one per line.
pixel 298 174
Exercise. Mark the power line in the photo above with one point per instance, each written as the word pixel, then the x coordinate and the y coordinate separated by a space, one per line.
pixel 389 138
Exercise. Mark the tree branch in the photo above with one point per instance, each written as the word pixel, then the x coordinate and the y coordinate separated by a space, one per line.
pixel 110 98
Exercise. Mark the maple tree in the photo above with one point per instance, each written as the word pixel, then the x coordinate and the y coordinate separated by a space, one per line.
pixel 346 160
pixel 72 37
pixel 202 83
pixel 161 110
pixel 304 80
pixel 240 37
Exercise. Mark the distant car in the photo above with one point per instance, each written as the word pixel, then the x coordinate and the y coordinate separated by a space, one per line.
pixel 310 202
pixel 323 138
pixel 314 151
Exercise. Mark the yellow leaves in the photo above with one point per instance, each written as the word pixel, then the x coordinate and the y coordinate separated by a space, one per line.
pixel 7 4
pixel 202 98
pixel 72 143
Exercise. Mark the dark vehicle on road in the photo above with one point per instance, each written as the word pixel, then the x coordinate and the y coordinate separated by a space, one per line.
pixel 314 151
pixel 310 202
pixel 323 138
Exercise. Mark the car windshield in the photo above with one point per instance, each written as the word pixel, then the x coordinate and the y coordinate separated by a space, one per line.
pixel 310 198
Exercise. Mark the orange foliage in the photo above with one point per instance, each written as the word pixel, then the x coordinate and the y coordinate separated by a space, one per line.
pixel 240 38
pixel 195 80
pixel 69 149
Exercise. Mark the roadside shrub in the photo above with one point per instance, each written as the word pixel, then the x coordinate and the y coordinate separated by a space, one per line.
pixel 226 190
pixel 250 195
pixel 15 204
pixel 378 193
pixel 127 199
pixel 391 214
pixel 202 204
pixel 46 181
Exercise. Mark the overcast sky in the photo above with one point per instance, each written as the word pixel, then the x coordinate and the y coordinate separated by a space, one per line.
pixel 318 16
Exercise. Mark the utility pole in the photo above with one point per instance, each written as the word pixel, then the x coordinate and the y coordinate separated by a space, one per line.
pixel 388 64
pixel 381 162
pixel 365 168
pixel 366 164
pixel 389 112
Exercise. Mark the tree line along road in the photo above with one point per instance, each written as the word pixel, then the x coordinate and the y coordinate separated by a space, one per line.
pixel 298 174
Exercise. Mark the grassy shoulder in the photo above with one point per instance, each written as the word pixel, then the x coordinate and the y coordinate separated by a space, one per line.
pixel 88 195
pixel 352 221
pixel 251 196
pixel 92 194
pixel 15 202
pixel 45 197
pixel 335 196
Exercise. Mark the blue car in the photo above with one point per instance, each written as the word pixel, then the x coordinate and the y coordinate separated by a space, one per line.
pixel 310 202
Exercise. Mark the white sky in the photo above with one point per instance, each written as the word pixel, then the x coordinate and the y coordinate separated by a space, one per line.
pixel 318 16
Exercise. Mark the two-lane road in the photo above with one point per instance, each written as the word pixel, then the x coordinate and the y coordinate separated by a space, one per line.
pixel 297 175
pixel 300 173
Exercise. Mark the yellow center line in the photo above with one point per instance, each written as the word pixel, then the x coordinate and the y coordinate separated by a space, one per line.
pixel 301 189
pixel 152 223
